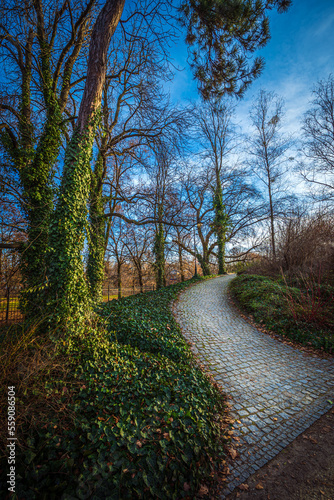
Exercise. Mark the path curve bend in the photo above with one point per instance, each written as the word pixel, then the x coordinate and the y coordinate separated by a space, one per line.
pixel 277 391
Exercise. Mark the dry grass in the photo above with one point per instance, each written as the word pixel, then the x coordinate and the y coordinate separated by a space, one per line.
pixel 43 387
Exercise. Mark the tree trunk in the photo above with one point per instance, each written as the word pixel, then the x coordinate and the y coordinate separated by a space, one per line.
pixel 204 261
pixel 119 279
pixel 181 264
pixel 159 251
pixel 220 224
pixel 97 226
pixel 272 227
pixel 140 277
pixel 68 297
pixel 104 28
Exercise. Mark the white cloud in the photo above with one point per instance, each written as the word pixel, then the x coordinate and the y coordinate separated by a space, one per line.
pixel 324 25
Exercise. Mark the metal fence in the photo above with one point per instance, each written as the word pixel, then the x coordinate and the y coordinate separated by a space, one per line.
pixel 10 310
pixel 9 307
pixel 112 293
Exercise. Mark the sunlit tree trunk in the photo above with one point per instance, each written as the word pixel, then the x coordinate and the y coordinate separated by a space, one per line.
pixel 69 296
pixel 97 229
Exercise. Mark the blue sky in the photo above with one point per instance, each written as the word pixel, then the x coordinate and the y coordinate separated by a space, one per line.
pixel 299 53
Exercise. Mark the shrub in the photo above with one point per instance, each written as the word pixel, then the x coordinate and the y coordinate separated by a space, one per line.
pixel 290 311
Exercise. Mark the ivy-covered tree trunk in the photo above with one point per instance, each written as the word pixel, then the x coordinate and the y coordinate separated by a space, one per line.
pixel 119 279
pixel 34 159
pixel 68 293
pixel 38 194
pixel 159 252
pixel 35 168
pixel 221 254
pixel 220 226
pixel 181 263
pixel 68 287
pixel 97 228
pixel 140 278
pixel 220 223
pixel 204 261
pixel 138 265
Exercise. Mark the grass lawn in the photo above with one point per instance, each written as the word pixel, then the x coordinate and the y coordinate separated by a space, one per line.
pixel 13 304
pixel 111 297
pixel 303 316
pixel 123 411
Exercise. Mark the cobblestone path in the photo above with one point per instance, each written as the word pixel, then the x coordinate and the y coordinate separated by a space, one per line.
pixel 277 391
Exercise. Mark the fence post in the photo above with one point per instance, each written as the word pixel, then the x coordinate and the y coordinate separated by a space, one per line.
pixel 7 308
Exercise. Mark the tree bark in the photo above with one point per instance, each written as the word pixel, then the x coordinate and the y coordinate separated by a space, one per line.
pixel 140 278
pixel 204 262
pixel 97 229
pixel 159 251
pixel 272 226
pixel 68 291
pixel 181 263
pixel 119 279
pixel 104 28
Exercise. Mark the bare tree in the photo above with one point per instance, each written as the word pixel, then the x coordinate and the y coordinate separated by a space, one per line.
pixel 138 242
pixel 318 144
pixel 200 216
pixel 218 140
pixel 266 148
pixel 117 248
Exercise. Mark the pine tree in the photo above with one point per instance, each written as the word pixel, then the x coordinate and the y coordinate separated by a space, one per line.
pixel 222 34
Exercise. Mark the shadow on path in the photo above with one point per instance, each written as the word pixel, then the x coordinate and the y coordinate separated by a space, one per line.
pixel 277 391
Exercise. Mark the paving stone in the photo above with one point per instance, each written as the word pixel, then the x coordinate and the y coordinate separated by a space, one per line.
pixel 267 379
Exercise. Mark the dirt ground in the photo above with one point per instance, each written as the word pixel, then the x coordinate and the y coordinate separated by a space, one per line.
pixel 304 470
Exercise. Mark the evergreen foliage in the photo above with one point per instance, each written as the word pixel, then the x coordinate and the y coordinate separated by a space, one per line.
pixel 68 290
pixel 222 34
pixel 97 228
pixel 142 420
pixel 220 225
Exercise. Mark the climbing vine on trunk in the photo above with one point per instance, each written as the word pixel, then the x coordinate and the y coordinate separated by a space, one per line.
pixel 68 291
pixel 159 252
pixel 68 295
pixel 220 226
pixel 97 228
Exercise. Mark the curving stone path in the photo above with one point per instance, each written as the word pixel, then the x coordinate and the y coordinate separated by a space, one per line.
pixel 277 391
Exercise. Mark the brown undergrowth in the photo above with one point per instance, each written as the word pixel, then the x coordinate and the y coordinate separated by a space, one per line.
pixel 41 378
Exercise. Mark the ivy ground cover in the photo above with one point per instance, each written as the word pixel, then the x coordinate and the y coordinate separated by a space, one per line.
pixel 143 420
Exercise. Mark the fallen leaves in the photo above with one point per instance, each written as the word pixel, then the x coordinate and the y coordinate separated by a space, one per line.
pixel 204 490
pixel 314 441
pixel 233 453
pixel 243 487
pixel 259 486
